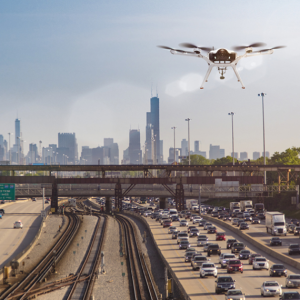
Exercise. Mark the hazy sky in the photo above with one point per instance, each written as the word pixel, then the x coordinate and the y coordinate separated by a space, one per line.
pixel 87 67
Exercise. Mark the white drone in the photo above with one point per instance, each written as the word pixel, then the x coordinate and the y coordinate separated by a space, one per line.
pixel 222 58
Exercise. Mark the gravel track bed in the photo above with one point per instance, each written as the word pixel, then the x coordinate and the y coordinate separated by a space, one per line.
pixel 112 285
pixel 73 257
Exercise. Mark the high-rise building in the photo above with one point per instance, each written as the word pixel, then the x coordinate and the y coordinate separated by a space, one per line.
pixel 86 155
pixel 114 154
pixel 155 124
pixel 135 153
pixel 32 154
pixel 171 155
pixel 108 142
pixel 256 155
pixel 196 146
pixel 68 141
pixel 17 131
pixel 244 156
pixel 267 154
pixel 184 148
pixel 215 152
pixel 236 155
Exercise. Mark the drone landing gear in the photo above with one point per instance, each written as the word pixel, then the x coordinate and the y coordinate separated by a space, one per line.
pixel 238 76
pixel 206 76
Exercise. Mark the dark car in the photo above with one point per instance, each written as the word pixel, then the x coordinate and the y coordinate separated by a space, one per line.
pixel 294 249
pixel 255 220
pixel 214 214
pixel 234 265
pixel 184 244
pixel 2 211
pixel 202 223
pixel 244 226
pixel 213 249
pixel 187 215
pixel 289 295
pixel 261 216
pixel 237 247
pixel 297 231
pixel 211 229
pixel 252 257
pixel 244 254
pixel 224 283
pixel 33 199
pixel 188 256
pixel 275 241
pixel 190 227
pixel 175 219
pixel 278 270
pixel 230 242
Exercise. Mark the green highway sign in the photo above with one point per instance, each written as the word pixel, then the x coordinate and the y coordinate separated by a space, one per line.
pixel 7 191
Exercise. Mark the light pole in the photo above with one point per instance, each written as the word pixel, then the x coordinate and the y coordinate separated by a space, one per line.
pixel 174 145
pixel 232 114
pixel 188 120
pixel 264 141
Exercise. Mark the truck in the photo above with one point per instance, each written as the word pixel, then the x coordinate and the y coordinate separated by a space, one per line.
pixel 259 207
pixel 275 223
pixel 191 203
pixel 246 205
pixel 234 205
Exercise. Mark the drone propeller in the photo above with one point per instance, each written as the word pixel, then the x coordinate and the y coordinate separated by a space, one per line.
pixel 188 45
pixel 238 48
pixel 264 50
pixel 178 50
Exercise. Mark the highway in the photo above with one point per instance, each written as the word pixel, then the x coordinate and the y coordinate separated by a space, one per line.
pixel 249 282
pixel 14 241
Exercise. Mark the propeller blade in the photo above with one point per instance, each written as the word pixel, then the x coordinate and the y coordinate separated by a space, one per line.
pixel 165 47
pixel 189 45
pixel 255 45
pixel 238 48
pixel 265 50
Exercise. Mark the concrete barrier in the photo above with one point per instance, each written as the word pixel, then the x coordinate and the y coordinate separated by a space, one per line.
pixel 286 259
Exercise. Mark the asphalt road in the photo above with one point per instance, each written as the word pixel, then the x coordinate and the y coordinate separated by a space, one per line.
pixel 13 241
pixel 249 282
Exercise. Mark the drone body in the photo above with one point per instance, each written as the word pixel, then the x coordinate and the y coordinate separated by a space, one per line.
pixel 222 58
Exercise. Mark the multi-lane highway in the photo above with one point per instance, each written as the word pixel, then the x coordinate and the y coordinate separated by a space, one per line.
pixel 14 241
pixel 249 282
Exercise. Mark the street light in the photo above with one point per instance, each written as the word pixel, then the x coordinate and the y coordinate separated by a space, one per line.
pixel 188 120
pixel 232 114
pixel 174 146
pixel 264 141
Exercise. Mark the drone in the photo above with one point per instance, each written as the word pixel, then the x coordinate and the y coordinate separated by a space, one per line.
pixel 222 58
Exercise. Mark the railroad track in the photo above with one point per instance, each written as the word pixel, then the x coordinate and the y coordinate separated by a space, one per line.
pixel 140 280
pixel 27 286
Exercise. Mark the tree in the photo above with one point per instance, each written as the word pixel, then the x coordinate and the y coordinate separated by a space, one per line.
pixel 224 161
pixel 288 157
pixel 196 160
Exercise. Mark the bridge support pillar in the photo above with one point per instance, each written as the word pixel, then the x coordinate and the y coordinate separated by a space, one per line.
pixel 179 198
pixel 163 203
pixel 54 198
pixel 118 196
pixel 107 204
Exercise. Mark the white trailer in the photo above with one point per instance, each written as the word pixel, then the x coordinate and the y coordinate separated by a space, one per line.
pixel 275 223
pixel 234 205
pixel 190 203
pixel 72 202
pixel 246 205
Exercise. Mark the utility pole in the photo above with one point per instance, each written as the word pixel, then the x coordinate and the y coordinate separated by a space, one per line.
pixel 264 140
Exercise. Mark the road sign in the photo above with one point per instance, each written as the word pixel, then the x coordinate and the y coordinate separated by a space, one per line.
pixel 7 191
pixel 43 214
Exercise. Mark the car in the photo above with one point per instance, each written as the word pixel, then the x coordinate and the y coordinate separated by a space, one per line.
pixel 247 217
pixel 197 219
pixel 206 225
pixel 194 232
pixel 259 263
pixel 172 229
pixel 33 199
pixel 234 265
pixel 244 254
pixel 270 288
pixel 274 241
pixel 224 258
pixel 190 227
pixel 188 256
pixel 289 295
pixel 213 249
pixel 235 221
pixel 187 215
pixel 175 219
pixel 234 295
pixel 205 247
pixel 18 224
pixel 255 220
pixel 244 225
pixel 261 216
pixel 291 228
pixel 183 222
pixel 297 231
pixel 230 242
pixel 175 234
pixel 46 201
pixel 197 261
pixel 182 236
pixel 201 241
pixel 214 214
pixel 2 211
pixel 237 247
pixel 278 270
pixel 252 257
pixel 292 280
pixel 223 284
pixel 220 236
pixel 208 269
pixel 294 249
pixel 184 244
pixel 211 229
pixel 202 223
pixel 167 223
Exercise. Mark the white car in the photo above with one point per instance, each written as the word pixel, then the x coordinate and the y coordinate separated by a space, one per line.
pixel 270 288
pixel 260 262
pixel 234 295
pixel 197 219
pixel 171 229
pixel 18 224
pixel 224 257
pixel 207 225
pixel 184 223
pixel 235 221
pixel 293 280
pixel 208 269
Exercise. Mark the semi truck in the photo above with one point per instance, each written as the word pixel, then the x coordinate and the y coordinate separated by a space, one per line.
pixel 192 204
pixel 234 205
pixel 275 223
pixel 246 205
pixel 259 207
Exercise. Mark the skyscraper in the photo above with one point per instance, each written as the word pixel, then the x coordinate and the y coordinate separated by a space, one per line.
pixel 215 152
pixel 243 156
pixel 256 155
pixel 155 124
pixel 196 146
pixel 68 141
pixel 135 153
pixel 17 131
pixel 184 148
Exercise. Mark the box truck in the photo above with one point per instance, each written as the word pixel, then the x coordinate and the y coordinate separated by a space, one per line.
pixel 234 205
pixel 275 223
pixel 246 205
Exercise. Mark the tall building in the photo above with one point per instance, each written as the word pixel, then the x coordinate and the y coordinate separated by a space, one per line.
pixel 215 152
pixel 17 131
pixel 32 155
pixel 184 148
pixel 244 156
pixel 196 146
pixel 155 124
pixel 267 154
pixel 135 153
pixel 236 155
pixel 256 155
pixel 171 155
pixel 108 142
pixel 68 141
